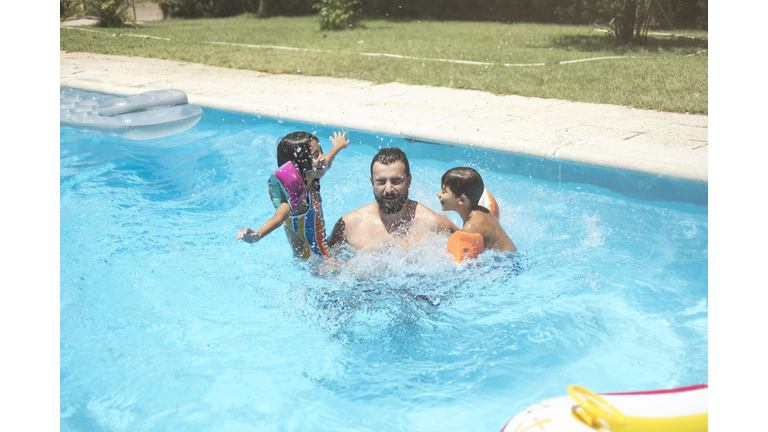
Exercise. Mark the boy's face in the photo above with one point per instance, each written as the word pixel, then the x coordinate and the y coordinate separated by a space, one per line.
pixel 448 200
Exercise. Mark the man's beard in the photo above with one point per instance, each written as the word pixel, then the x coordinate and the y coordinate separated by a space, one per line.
pixel 392 207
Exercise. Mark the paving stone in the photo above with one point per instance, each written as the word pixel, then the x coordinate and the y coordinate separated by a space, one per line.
pixel 674 135
pixel 579 133
pixel 632 125
pixel 653 142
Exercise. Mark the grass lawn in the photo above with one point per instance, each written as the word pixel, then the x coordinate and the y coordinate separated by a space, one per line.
pixel 665 74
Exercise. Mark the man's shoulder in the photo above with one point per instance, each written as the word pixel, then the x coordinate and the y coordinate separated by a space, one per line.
pixel 421 209
pixel 360 212
pixel 351 224
pixel 424 212
pixel 426 215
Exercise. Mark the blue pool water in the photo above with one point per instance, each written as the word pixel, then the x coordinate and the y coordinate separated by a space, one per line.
pixel 168 323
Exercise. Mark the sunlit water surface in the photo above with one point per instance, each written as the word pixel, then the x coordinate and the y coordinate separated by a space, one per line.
pixel 168 323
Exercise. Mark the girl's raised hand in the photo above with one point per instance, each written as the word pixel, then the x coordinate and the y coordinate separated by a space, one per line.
pixel 339 139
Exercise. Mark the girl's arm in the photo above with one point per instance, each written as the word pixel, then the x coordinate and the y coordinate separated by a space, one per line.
pixel 339 141
pixel 281 214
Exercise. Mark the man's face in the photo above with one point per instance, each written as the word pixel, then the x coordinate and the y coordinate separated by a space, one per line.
pixel 390 186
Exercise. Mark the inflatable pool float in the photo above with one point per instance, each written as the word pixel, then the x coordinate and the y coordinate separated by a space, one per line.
pixel 286 185
pixel 153 114
pixel 675 410
pixel 487 201
pixel 464 245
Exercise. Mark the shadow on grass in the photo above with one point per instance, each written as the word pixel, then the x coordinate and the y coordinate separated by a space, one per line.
pixel 607 42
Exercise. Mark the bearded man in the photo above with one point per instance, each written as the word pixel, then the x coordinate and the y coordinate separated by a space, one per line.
pixel 393 218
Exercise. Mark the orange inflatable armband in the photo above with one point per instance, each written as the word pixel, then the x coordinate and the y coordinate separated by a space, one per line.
pixel 465 245
pixel 487 201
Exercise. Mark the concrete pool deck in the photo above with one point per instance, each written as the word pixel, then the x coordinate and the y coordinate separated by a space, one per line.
pixel 656 143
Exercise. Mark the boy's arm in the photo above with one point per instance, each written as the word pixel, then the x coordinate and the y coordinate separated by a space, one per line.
pixel 281 214
pixel 339 141
pixel 494 239
pixel 473 227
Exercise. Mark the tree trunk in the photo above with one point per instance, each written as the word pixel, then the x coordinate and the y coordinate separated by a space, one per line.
pixel 625 22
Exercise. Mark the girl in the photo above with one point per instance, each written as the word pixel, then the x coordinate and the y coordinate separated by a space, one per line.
pixel 299 154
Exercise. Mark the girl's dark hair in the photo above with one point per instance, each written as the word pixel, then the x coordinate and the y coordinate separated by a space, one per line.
pixel 295 147
pixel 464 181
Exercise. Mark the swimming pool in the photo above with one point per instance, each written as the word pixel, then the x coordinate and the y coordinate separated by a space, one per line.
pixel 168 323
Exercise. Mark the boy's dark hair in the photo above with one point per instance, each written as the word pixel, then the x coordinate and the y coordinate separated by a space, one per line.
pixel 390 155
pixel 295 147
pixel 464 181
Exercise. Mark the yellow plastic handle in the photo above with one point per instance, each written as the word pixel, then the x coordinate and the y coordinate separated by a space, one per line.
pixel 596 406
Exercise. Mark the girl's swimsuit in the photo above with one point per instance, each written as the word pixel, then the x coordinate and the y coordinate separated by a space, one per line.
pixel 286 185
pixel 310 227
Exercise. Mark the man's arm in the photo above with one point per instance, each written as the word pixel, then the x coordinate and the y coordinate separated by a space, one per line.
pixel 445 224
pixel 438 221
pixel 338 235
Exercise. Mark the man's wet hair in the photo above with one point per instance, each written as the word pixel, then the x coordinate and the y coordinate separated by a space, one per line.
pixel 390 155
pixel 464 181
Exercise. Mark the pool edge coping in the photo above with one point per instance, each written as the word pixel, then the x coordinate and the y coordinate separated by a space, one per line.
pixel 602 152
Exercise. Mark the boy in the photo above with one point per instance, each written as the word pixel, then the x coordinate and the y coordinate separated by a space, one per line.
pixel 461 189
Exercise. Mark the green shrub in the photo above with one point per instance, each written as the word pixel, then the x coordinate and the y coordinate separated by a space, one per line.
pixel 227 8
pixel 624 13
pixel 702 20
pixel 680 13
pixel 339 14
pixel 470 10
pixel 111 13
pixel 686 13
pixel 582 12
pixel 288 7
pixel 207 8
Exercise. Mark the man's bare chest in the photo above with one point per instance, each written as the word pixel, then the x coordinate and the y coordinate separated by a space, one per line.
pixel 376 236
